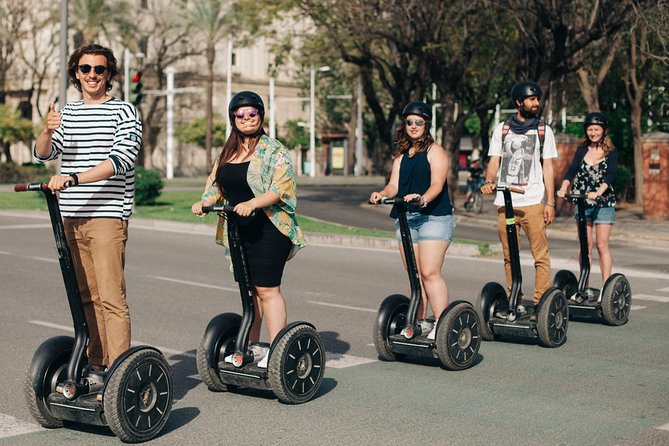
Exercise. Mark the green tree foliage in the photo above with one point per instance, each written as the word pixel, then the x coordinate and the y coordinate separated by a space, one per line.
pixel 195 132
pixel 296 136
pixel 148 186
pixel 13 128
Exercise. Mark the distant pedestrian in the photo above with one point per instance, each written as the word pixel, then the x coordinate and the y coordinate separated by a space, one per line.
pixel 593 170
pixel 254 173
pixel 420 168
pixel 521 152
pixel 99 138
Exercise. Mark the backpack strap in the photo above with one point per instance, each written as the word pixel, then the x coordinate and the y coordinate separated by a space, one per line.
pixel 541 132
pixel 505 131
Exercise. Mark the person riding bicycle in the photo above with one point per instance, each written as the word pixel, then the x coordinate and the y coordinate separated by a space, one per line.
pixel 474 177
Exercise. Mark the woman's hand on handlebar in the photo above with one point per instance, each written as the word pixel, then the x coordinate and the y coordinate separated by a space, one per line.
pixel 413 198
pixel 245 209
pixel 561 193
pixel 197 208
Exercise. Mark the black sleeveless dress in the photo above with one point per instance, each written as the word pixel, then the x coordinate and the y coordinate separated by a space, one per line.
pixel 266 247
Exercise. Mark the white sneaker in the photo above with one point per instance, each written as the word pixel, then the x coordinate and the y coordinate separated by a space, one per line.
pixel 522 309
pixel 433 333
pixel 259 351
pixel 263 362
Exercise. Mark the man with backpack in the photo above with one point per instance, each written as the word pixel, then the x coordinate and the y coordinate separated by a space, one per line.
pixel 521 153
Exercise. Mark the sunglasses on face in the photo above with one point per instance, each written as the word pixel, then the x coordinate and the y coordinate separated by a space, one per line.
pixel 99 69
pixel 418 122
pixel 249 114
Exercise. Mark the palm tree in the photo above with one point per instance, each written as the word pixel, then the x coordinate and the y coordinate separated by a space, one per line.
pixel 92 19
pixel 208 18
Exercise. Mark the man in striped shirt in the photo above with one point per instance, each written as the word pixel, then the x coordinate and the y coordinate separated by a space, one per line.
pixel 98 139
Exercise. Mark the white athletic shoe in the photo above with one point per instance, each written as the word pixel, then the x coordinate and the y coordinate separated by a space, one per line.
pixel 263 362
pixel 433 333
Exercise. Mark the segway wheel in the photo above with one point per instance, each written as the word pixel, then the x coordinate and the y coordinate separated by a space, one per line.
pixel 138 396
pixel 48 370
pixel 296 365
pixel 553 318
pixel 491 300
pixel 566 281
pixel 616 300
pixel 391 319
pixel 217 341
pixel 477 205
pixel 458 338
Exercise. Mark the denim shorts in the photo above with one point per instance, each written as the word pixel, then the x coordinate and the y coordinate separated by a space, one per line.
pixel 599 215
pixel 428 227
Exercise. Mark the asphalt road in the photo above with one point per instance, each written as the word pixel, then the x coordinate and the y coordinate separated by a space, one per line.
pixel 607 385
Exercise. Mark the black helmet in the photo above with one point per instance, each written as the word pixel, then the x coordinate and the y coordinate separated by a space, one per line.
pixel 594 118
pixel 417 108
pixel 249 99
pixel 523 90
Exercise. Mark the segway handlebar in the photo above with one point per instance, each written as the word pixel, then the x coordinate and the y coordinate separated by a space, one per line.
pixel 386 200
pixel 575 196
pixel 221 208
pixel 515 190
pixel 31 187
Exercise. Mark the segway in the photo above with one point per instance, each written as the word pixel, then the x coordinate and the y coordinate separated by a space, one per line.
pixel 612 304
pixel 296 357
pixel 133 397
pixel 398 334
pixel 500 314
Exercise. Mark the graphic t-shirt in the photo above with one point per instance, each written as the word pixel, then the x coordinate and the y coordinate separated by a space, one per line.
pixel 520 163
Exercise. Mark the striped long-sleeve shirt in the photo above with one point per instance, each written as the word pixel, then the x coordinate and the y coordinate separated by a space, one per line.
pixel 88 135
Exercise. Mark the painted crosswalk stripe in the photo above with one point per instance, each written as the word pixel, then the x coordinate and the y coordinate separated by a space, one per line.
pixel 664 427
pixel 11 427
pixel 346 307
pixel 663 299
pixel 134 343
pixel 186 282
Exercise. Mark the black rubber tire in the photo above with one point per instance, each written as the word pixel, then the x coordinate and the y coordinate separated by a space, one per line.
pixel 491 299
pixel 55 372
pixel 477 205
pixel 392 323
pixel 553 318
pixel 567 282
pixel 616 300
pixel 296 365
pixel 138 397
pixel 209 374
pixel 458 338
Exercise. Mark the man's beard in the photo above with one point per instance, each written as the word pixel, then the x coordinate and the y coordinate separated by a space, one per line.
pixel 527 114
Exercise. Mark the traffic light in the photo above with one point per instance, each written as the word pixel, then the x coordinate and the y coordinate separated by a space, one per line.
pixel 136 89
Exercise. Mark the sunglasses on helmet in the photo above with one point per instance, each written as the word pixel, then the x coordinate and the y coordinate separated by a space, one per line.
pixel 99 69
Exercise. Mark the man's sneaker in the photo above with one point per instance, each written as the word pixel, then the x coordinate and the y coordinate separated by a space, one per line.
pixel 433 333
pixel 263 362
pixel 522 309
pixel 259 351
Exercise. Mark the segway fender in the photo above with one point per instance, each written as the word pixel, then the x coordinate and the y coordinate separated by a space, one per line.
pixel 450 307
pixel 48 352
pixel 215 334
pixel 388 306
pixel 489 294
pixel 543 300
pixel 285 330
pixel 115 365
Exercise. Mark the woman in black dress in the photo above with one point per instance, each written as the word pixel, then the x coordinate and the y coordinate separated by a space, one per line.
pixel 255 173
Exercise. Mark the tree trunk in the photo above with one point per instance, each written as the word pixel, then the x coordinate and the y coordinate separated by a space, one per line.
pixel 635 122
pixel 8 153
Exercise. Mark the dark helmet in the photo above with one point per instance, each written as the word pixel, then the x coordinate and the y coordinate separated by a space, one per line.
pixel 594 118
pixel 523 90
pixel 246 99
pixel 417 108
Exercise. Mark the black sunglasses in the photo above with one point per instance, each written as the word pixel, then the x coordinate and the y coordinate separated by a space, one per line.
pixel 418 122
pixel 99 69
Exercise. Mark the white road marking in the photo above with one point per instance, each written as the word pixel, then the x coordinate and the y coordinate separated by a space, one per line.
pixel 652 298
pixel 71 330
pixel 33 226
pixel 664 427
pixel 346 307
pixel 341 361
pixel 43 259
pixel 203 285
pixel 637 307
pixel 11 427
pixel 664 290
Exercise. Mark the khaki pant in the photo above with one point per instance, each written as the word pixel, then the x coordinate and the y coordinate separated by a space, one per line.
pixel 98 253
pixel 531 219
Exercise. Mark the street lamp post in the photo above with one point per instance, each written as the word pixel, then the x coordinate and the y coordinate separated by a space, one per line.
pixel 312 118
